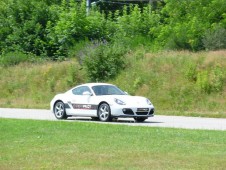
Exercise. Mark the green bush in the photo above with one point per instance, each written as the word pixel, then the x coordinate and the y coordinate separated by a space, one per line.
pixel 13 58
pixel 104 62
pixel 50 28
pixel 202 82
pixel 211 80
pixel 24 26
pixel 191 71
pixel 217 77
pixel 214 39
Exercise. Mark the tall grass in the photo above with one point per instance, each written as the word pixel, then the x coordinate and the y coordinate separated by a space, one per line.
pixel 33 85
pixel 181 83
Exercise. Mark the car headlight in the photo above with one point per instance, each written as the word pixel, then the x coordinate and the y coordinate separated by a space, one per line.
pixel 148 102
pixel 120 102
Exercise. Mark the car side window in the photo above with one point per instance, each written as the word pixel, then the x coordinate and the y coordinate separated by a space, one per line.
pixel 80 90
pixel 112 91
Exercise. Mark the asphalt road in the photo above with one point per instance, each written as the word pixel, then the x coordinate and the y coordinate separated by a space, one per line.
pixel 156 121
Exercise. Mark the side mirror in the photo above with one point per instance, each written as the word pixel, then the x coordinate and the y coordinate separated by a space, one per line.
pixel 126 93
pixel 87 93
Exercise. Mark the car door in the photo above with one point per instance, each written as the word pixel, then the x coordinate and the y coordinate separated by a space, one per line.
pixel 80 101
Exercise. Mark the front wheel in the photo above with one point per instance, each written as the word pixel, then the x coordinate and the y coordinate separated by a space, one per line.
pixel 140 119
pixel 104 112
pixel 59 110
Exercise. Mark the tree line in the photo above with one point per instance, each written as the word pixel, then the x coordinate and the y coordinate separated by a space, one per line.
pixel 55 28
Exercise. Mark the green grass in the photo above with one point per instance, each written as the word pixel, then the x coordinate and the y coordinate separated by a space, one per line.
pixel 181 83
pixel 29 144
pixel 178 83
pixel 34 85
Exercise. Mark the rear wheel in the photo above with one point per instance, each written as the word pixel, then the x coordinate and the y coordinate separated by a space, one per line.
pixel 140 119
pixel 104 112
pixel 59 110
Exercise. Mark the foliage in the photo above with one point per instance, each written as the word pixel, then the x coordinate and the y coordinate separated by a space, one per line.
pixel 207 80
pixel 50 28
pixel 217 79
pixel 32 85
pixel 14 58
pixel 24 26
pixel 184 22
pixel 181 81
pixel 214 39
pixel 104 62
pixel 203 81
pixel 57 29
pixel 191 71
pixel 173 81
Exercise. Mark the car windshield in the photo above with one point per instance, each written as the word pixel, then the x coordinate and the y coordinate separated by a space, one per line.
pixel 107 90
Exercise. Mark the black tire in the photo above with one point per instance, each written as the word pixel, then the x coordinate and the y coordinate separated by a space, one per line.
pixel 104 112
pixel 140 119
pixel 59 110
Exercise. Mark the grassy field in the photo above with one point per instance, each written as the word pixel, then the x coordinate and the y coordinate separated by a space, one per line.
pixel 33 85
pixel 178 83
pixel 29 144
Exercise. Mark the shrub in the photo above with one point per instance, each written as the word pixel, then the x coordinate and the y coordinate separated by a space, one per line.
pixel 104 62
pixel 211 80
pixel 214 39
pixel 191 71
pixel 13 58
pixel 203 81
pixel 217 79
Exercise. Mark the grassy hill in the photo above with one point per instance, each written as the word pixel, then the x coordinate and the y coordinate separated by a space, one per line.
pixel 178 83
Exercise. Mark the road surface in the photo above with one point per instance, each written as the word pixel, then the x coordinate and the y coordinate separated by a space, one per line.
pixel 156 121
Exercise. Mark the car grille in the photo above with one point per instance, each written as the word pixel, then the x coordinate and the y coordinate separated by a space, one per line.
pixel 141 113
pixel 142 109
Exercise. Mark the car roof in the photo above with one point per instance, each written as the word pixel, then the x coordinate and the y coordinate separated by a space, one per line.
pixel 90 85
pixel 94 84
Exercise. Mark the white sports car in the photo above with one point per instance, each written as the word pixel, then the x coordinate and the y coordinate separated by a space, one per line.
pixel 100 101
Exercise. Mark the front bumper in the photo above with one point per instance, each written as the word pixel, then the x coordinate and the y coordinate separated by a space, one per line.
pixel 124 111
